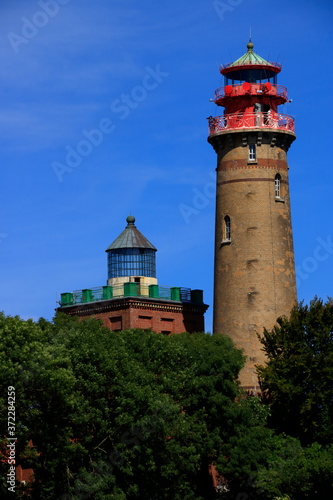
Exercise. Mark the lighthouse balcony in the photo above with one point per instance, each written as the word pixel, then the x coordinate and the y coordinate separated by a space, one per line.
pixel 270 120
pixel 130 289
pixel 255 89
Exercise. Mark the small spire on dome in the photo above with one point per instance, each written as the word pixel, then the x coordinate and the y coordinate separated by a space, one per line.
pixel 130 220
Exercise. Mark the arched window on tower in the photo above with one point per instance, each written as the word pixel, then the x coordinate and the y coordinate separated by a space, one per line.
pixel 277 186
pixel 227 229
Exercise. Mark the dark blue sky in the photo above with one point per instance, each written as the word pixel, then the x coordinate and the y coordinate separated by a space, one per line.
pixel 103 112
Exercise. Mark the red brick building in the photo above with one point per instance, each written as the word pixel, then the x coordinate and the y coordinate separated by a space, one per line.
pixel 132 297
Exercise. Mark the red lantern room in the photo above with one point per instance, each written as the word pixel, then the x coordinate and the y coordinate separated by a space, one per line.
pixel 251 95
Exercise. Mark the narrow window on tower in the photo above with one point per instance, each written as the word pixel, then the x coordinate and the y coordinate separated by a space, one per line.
pixel 277 186
pixel 252 152
pixel 226 230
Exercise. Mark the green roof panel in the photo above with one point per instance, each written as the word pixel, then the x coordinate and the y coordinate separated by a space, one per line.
pixel 250 57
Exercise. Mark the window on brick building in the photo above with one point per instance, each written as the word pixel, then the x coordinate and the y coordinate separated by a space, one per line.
pixel 167 323
pixel 277 184
pixel 227 229
pixel 116 323
pixel 252 152
pixel 145 322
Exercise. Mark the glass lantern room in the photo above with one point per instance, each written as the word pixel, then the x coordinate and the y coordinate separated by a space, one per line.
pixel 131 254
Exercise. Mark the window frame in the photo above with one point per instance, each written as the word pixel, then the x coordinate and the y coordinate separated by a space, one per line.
pixel 277 186
pixel 226 235
pixel 252 153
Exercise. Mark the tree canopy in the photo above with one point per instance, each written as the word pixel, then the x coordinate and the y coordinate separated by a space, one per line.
pixel 129 414
pixel 298 378
pixel 139 415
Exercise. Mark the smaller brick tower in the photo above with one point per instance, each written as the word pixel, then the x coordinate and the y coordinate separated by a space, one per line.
pixel 132 297
pixel 254 275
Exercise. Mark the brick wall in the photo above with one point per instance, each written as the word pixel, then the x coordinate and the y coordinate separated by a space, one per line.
pixel 254 272
pixel 161 316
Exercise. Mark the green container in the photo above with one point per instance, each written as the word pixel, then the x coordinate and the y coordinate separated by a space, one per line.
pixel 153 291
pixel 66 299
pixel 107 292
pixel 175 293
pixel 197 296
pixel 87 295
pixel 130 289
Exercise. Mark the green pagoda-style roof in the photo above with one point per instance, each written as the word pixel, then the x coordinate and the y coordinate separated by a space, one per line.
pixel 130 238
pixel 250 57
pixel 250 60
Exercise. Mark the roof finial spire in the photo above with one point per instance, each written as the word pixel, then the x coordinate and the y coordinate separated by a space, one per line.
pixel 130 220
pixel 250 44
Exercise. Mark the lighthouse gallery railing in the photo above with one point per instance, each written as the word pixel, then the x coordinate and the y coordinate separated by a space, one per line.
pixel 130 289
pixel 251 120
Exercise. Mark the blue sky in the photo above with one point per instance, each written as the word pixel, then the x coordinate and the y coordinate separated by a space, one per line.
pixel 140 76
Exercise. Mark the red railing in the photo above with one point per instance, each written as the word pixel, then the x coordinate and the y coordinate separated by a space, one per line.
pixel 251 89
pixel 251 120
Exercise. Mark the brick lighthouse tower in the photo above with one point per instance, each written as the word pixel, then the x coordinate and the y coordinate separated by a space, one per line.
pixel 254 277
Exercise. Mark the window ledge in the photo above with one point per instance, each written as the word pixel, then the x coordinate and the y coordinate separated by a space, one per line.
pixel 225 242
pixel 279 200
pixel 252 162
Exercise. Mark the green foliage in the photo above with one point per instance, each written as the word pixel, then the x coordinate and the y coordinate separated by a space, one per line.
pixel 119 415
pixel 262 465
pixel 298 379
pixel 296 472
pixel 133 414
pixel 250 445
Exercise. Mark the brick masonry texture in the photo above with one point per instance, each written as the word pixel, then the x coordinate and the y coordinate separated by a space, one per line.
pixel 161 316
pixel 254 272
